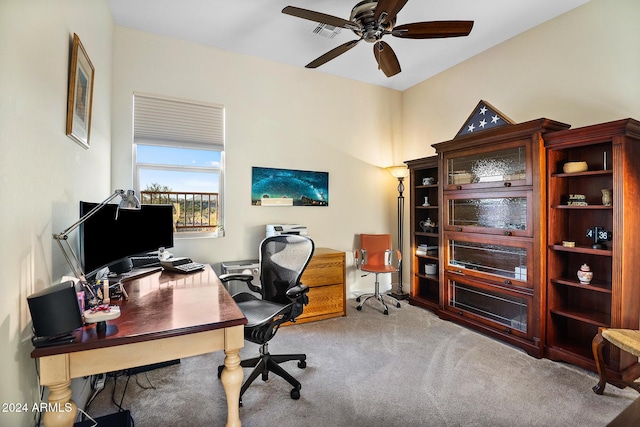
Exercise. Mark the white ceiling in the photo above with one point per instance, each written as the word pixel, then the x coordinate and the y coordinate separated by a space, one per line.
pixel 259 28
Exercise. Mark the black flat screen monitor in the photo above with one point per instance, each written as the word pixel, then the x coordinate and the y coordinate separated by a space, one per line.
pixel 105 239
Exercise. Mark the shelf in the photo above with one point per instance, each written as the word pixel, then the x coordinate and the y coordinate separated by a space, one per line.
pixel 595 286
pixel 433 277
pixel 582 174
pixel 573 349
pixel 425 289
pixel 582 250
pixel 586 316
pixel 425 234
pixel 588 207
pixel 575 311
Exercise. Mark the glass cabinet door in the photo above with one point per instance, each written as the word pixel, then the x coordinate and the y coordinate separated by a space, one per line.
pixel 507 213
pixel 504 259
pixel 500 168
pixel 510 310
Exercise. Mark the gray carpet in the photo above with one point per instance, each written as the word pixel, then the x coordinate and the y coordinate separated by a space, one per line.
pixel 409 368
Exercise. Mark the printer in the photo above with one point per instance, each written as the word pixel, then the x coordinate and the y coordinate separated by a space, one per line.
pixel 278 229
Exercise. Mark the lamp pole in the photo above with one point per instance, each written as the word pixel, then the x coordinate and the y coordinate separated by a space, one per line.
pixel 400 172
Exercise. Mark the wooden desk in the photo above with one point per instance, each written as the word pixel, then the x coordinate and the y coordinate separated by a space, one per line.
pixel 168 316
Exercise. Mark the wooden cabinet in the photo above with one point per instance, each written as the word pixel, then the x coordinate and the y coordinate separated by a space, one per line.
pixel 325 276
pixel 425 241
pixel 493 225
pixel 611 299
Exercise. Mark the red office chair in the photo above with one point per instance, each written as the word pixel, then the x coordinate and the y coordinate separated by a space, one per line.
pixel 376 256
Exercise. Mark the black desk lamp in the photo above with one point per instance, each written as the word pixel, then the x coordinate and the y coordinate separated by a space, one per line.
pixel 129 202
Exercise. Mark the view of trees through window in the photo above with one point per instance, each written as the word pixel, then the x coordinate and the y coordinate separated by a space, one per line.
pixel 188 179
pixel 191 211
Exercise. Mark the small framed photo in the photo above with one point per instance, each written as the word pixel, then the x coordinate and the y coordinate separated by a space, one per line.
pixel 80 94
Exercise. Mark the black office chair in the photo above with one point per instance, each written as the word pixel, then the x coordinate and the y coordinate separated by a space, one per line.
pixel 283 259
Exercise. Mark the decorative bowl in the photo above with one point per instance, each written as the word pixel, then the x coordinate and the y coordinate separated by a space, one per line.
pixel 573 167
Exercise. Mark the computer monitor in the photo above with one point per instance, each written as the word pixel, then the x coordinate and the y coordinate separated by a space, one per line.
pixel 105 240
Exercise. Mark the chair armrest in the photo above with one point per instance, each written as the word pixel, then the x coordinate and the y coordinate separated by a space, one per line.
pixel 399 257
pixel 296 292
pixel 361 258
pixel 247 278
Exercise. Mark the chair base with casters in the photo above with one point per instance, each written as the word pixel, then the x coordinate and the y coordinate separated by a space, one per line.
pixel 266 363
pixel 377 295
pixel 625 339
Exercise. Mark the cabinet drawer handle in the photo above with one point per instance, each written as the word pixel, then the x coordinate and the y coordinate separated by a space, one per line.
pixel 459 313
pixel 459 271
pixel 507 330
pixel 458 187
pixel 459 228
pixel 507 282
pixel 507 184
pixel 508 233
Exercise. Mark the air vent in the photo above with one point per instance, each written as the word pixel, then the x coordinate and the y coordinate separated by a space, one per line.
pixel 326 30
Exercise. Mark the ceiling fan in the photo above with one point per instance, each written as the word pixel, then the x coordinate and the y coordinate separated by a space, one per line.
pixel 371 20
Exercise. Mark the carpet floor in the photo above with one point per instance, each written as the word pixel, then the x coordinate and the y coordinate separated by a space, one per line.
pixel 409 368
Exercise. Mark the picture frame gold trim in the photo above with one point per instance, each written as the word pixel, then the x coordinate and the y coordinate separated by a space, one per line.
pixel 80 99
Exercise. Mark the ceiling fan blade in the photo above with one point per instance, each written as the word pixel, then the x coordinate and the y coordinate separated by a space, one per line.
pixel 433 29
pixel 390 7
pixel 322 18
pixel 333 53
pixel 386 57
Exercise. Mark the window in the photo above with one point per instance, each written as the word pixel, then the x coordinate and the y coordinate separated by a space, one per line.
pixel 179 158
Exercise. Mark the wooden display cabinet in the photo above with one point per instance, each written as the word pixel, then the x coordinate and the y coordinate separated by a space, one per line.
pixel 576 310
pixel 425 240
pixel 494 232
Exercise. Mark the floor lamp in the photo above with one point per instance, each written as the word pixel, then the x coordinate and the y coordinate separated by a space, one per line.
pixel 400 172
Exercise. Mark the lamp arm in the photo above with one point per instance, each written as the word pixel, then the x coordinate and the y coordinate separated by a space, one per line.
pixel 64 235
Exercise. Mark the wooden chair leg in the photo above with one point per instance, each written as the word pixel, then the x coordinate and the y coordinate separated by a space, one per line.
pixel 596 346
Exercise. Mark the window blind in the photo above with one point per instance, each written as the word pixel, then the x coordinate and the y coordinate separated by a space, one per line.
pixel 169 121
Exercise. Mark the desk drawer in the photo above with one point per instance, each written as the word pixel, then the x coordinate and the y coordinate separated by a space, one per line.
pixel 324 302
pixel 324 270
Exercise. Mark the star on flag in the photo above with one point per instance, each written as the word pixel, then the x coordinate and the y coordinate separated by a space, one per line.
pixel 483 117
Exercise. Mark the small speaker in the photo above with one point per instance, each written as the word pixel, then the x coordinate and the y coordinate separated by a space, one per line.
pixel 122 266
pixel 55 310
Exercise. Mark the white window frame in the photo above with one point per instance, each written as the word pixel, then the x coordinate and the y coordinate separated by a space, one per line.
pixel 180 123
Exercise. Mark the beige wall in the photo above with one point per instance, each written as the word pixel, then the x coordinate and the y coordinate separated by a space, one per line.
pixel 581 68
pixel 276 116
pixel 43 173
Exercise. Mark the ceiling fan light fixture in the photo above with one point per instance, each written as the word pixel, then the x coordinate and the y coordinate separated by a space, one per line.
pixel 370 20
pixel 326 30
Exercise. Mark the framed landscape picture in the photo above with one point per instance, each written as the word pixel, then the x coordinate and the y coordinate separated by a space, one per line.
pixel 276 187
pixel 80 97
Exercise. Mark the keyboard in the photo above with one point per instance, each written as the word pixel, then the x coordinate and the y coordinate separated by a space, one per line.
pixel 181 265
pixel 144 261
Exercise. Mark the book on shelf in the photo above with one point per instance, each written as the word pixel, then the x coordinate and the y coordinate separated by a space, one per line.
pixel 426 250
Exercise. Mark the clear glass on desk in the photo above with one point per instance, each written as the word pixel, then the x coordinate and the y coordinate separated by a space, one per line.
pixel 508 262
pixel 496 166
